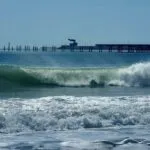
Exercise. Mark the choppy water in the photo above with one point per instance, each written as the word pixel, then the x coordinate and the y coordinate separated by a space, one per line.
pixel 99 106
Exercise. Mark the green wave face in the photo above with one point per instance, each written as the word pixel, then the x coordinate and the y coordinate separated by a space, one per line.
pixel 134 75
pixel 54 77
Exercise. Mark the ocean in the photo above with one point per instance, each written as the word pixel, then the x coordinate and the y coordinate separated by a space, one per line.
pixel 72 101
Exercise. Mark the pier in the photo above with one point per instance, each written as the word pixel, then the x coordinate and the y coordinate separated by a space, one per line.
pixel 73 46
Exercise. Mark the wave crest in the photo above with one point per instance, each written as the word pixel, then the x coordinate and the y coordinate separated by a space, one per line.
pixel 134 75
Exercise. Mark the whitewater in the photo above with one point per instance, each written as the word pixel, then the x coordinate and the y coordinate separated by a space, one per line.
pixel 101 105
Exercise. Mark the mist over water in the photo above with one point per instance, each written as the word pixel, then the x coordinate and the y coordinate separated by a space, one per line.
pixel 72 59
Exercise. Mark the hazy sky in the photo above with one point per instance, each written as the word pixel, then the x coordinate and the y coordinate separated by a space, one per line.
pixel 51 22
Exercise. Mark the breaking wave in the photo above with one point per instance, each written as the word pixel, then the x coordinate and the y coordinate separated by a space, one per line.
pixel 134 75
pixel 70 113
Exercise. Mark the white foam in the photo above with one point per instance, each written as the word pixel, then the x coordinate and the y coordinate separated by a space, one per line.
pixel 69 112
pixel 136 75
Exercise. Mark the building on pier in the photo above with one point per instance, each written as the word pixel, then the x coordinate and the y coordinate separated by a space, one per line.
pixel 130 48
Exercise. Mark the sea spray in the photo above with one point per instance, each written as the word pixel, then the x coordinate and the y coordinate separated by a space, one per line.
pixel 136 75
